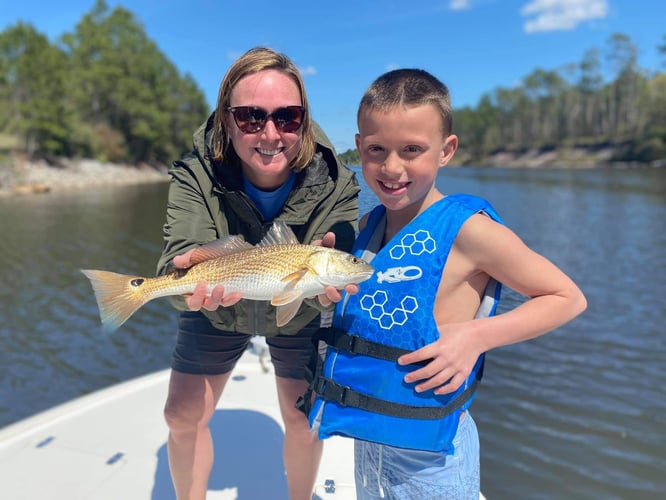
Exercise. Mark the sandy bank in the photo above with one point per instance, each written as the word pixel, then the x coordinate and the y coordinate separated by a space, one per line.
pixel 41 177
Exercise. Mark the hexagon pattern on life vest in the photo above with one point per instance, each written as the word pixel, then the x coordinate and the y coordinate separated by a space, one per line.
pixel 401 288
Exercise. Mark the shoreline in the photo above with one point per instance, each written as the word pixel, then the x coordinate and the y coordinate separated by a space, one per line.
pixel 39 177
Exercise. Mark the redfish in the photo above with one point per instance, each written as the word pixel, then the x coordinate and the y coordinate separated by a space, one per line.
pixel 279 269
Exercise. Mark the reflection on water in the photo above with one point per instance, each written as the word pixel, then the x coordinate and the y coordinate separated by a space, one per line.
pixel 53 348
pixel 578 413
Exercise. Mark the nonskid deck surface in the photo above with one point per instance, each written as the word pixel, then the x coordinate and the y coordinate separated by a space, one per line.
pixel 111 445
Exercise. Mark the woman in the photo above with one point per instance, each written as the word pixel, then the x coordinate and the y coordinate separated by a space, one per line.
pixel 259 157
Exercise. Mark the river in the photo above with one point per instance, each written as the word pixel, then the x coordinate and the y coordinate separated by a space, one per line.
pixel 577 413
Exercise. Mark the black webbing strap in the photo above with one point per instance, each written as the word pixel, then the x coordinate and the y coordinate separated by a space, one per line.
pixel 345 396
pixel 341 340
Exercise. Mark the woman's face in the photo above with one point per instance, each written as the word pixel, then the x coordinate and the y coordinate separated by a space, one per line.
pixel 265 155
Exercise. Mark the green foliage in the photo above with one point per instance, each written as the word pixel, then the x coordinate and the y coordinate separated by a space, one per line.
pixel 103 91
pixel 574 106
pixel 106 91
pixel 350 157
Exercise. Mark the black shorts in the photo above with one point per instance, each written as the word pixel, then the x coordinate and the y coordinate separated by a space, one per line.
pixel 202 349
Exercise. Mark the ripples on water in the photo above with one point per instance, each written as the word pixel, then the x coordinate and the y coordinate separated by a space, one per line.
pixel 578 413
pixel 53 348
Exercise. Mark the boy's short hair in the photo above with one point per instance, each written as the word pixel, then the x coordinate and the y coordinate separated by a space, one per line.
pixel 410 88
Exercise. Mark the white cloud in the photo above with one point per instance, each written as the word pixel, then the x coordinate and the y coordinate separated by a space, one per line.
pixel 308 71
pixel 459 4
pixel 553 15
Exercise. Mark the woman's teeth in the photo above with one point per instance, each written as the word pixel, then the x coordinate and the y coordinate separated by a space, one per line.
pixel 268 152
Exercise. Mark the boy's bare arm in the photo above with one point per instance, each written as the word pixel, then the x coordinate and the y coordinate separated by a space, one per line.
pixel 554 299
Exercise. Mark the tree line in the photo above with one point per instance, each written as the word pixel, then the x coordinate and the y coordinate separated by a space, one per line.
pixel 103 91
pixel 106 91
pixel 575 106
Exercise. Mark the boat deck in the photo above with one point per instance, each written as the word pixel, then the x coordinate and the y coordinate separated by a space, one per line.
pixel 111 445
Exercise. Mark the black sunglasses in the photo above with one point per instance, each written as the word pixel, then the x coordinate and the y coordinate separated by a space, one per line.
pixel 252 119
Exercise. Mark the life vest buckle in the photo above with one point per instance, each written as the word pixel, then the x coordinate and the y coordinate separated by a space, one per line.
pixel 332 391
pixel 347 343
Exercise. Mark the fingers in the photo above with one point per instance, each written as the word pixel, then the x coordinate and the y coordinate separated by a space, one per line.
pixel 199 299
pixel 426 353
pixel 214 300
pixel 196 299
pixel 183 261
pixel 327 241
pixel 230 299
pixel 444 379
pixel 332 295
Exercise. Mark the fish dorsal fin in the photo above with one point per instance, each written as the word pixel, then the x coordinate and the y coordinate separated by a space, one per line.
pixel 218 248
pixel 279 234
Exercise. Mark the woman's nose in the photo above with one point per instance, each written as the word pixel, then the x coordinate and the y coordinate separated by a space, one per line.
pixel 270 130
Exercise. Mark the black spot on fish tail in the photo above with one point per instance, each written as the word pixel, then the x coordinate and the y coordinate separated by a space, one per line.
pixel 137 282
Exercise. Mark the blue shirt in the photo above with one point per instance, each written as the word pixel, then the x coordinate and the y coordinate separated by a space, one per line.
pixel 270 202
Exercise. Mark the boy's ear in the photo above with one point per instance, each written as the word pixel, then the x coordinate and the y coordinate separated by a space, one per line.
pixel 357 140
pixel 448 149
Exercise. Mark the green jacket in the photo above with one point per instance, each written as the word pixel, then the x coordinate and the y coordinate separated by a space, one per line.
pixel 206 202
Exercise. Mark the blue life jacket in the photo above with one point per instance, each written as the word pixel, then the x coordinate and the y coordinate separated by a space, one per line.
pixel 360 391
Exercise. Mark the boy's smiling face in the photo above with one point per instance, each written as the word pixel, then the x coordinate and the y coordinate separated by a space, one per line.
pixel 401 151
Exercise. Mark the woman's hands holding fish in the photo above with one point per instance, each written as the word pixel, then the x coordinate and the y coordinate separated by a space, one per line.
pixel 199 299
pixel 331 294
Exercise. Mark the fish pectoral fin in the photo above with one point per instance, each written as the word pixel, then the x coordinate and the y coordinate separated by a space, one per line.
pixel 286 312
pixel 286 297
pixel 293 278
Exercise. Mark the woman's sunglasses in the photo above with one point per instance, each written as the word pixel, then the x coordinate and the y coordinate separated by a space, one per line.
pixel 252 119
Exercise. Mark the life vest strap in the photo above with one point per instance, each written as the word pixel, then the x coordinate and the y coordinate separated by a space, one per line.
pixel 341 340
pixel 330 390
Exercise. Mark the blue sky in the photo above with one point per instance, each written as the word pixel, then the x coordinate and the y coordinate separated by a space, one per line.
pixel 474 46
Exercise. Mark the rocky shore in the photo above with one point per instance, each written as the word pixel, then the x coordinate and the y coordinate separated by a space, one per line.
pixel 42 177
pixel 24 177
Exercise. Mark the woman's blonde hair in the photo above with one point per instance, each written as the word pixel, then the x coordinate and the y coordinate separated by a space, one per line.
pixel 253 61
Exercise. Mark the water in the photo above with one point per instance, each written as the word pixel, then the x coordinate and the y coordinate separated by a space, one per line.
pixel 578 413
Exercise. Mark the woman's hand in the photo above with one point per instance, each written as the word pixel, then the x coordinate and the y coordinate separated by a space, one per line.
pixel 199 298
pixel 331 294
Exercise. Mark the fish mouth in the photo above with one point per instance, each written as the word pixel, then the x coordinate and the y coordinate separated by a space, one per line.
pixel 358 278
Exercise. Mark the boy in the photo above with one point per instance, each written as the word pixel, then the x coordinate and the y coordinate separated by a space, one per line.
pixel 406 352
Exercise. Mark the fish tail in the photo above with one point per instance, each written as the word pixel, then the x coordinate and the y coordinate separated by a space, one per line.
pixel 118 296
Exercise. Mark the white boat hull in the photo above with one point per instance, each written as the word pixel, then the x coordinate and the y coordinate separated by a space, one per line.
pixel 111 445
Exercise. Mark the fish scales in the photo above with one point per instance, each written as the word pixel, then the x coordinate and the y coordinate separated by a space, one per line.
pixel 257 272
pixel 279 269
